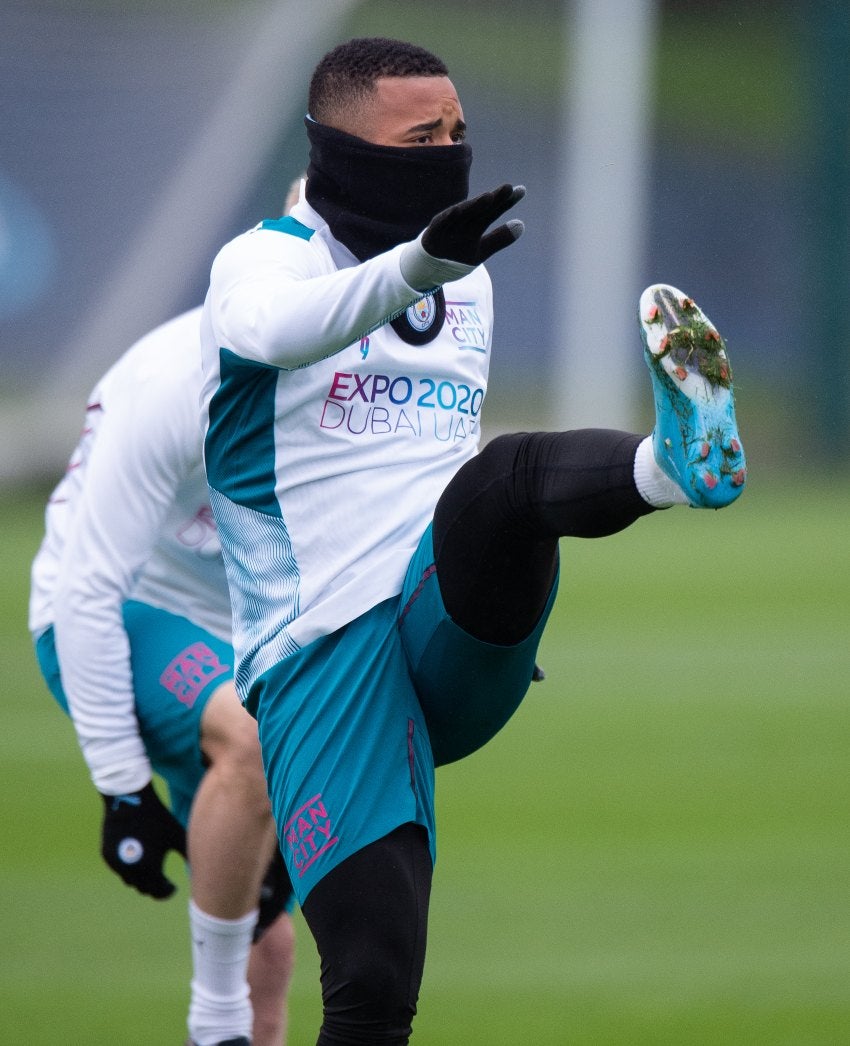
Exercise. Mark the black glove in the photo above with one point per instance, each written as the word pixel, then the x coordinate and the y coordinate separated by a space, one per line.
pixel 138 831
pixel 274 894
pixel 459 233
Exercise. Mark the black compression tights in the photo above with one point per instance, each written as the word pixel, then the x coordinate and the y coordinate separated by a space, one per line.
pixel 369 917
pixel 497 524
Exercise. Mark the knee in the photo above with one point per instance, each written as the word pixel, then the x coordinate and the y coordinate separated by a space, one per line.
pixel 240 764
pixel 231 745
pixel 239 745
pixel 499 456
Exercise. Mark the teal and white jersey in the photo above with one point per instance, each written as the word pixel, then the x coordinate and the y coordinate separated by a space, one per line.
pixel 131 519
pixel 329 438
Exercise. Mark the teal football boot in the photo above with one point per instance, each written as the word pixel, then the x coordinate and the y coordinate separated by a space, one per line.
pixel 695 439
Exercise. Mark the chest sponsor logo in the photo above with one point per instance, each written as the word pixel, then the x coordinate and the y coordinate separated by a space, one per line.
pixel 377 404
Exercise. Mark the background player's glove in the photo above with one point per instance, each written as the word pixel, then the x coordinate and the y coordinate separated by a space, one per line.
pixel 457 240
pixel 138 831
pixel 274 895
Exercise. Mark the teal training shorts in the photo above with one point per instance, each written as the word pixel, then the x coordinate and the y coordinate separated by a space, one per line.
pixel 352 726
pixel 176 666
pixel 468 689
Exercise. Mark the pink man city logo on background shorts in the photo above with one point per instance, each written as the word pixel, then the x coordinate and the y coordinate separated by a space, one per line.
pixel 191 671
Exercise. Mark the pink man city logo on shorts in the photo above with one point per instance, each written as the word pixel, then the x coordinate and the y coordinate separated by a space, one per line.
pixel 309 833
pixel 191 671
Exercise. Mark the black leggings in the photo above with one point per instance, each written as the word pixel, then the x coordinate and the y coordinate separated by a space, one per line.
pixel 497 524
pixel 369 916
pixel 496 531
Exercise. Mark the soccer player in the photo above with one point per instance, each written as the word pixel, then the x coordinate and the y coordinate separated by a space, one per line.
pixel 390 583
pixel 130 615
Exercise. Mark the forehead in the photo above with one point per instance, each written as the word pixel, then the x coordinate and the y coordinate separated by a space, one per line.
pixel 405 101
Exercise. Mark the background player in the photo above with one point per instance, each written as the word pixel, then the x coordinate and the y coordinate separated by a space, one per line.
pixel 130 615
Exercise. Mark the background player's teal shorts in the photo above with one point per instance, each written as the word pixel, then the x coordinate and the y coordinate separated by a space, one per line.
pixel 352 725
pixel 176 666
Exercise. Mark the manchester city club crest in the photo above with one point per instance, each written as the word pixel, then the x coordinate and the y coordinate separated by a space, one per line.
pixel 422 321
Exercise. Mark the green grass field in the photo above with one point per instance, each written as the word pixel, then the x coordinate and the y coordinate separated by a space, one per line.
pixel 654 851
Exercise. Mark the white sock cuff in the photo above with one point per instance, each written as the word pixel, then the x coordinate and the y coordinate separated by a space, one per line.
pixel 221 927
pixel 653 484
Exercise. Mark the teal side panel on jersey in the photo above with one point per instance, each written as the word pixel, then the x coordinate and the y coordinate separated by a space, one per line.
pixel 289 225
pixel 239 446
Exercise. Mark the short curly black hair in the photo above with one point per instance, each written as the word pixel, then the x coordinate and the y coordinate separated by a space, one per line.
pixel 346 75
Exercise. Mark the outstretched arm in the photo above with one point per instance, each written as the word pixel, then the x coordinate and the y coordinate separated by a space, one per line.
pixel 276 299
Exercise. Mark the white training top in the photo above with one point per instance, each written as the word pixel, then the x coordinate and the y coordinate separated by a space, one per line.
pixel 131 519
pixel 329 438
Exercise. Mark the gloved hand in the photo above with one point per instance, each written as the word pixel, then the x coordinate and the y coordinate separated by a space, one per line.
pixel 274 895
pixel 457 240
pixel 138 831
pixel 459 233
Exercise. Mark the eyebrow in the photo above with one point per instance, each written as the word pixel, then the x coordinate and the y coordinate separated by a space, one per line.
pixel 433 125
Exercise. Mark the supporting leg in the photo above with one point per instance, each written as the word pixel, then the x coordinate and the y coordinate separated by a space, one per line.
pixel 369 918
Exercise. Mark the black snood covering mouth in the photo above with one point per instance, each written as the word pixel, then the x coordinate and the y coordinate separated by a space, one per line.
pixel 374 197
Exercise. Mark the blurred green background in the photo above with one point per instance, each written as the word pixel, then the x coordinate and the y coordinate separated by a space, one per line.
pixel 655 850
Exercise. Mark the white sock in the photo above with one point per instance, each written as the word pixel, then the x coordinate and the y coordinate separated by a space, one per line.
pixel 220 1006
pixel 652 482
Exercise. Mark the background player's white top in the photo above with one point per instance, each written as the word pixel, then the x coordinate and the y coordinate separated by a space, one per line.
pixel 329 438
pixel 130 520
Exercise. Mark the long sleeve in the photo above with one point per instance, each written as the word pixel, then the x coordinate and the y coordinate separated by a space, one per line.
pixel 278 299
pixel 127 493
pixel 130 520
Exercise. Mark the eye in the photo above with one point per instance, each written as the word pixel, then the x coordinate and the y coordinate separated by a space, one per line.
pixel 458 137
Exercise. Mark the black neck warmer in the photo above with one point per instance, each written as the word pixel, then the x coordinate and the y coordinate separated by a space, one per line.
pixel 374 197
